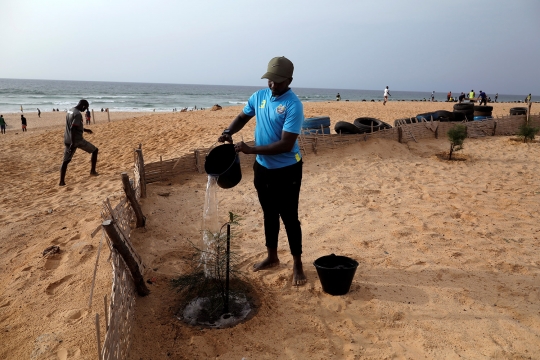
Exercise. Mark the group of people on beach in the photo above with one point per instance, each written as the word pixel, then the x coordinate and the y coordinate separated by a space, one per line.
pixel 3 124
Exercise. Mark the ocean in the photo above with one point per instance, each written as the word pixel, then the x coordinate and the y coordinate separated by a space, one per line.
pixel 140 97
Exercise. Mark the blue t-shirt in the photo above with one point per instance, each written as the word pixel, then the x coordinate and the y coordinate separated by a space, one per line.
pixel 274 115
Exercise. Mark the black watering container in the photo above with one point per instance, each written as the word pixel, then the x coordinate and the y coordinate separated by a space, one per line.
pixel 336 273
pixel 224 163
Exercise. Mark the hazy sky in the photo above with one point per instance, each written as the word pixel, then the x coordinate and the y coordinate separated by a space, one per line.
pixel 408 45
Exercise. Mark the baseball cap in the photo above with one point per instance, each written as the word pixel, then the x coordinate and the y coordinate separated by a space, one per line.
pixel 279 69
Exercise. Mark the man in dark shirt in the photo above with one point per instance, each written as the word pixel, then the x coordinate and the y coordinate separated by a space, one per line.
pixel 483 98
pixel 73 139
pixel 461 97
pixel 23 121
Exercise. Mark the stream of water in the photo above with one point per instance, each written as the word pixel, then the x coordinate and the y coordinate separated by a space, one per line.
pixel 210 225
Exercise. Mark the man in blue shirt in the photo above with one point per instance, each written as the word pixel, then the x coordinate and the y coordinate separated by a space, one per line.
pixel 278 166
pixel 483 98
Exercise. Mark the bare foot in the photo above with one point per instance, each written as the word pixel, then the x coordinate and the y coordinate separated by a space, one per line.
pixel 299 278
pixel 265 264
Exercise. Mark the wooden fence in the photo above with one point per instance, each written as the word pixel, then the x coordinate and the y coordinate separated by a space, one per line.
pixel 120 312
pixel 403 132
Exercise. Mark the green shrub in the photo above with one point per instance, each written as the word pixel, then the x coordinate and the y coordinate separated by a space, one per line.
pixel 456 136
pixel 527 132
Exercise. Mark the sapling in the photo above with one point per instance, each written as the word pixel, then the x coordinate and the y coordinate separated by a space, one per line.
pixel 527 132
pixel 207 273
pixel 456 136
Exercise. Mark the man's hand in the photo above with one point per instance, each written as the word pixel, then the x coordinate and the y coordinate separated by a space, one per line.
pixel 242 147
pixel 225 137
pixel 88 131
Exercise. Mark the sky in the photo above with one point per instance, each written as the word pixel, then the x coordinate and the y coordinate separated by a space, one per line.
pixel 409 45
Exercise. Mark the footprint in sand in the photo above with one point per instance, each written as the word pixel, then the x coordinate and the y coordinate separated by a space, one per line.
pixel 56 286
pixel 53 262
pixel 74 315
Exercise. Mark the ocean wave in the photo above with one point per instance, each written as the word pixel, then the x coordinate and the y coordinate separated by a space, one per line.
pixel 237 102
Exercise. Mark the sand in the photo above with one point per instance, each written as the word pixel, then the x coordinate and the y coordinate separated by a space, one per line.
pixel 448 251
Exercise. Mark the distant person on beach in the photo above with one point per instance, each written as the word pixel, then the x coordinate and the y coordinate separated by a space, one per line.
pixel 278 165
pixel 386 95
pixel 73 140
pixel 2 124
pixel 338 97
pixel 53 109
pixel 38 113
pixel 496 96
pixel 433 95
pixel 528 98
pixel 88 117
pixel 102 110
pixel 482 97
pixel 448 96
pixel 23 121
pixel 461 97
pixel 57 109
pixel 472 95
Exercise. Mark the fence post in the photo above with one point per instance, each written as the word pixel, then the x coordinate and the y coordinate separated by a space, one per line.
pixel 120 245
pixel 130 194
pixel 98 337
pixel 142 180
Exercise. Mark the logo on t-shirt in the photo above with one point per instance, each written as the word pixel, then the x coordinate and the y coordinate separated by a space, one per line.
pixel 263 103
pixel 280 109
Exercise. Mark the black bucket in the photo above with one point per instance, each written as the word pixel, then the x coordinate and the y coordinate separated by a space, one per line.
pixel 224 163
pixel 336 273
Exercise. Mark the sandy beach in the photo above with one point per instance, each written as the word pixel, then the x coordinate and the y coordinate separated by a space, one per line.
pixel 448 251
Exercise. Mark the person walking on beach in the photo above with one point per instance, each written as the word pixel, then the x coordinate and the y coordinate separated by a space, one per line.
pixel 38 113
pixel 386 95
pixel 461 97
pixel 278 165
pixel 433 96
pixel 73 139
pixel 338 97
pixel 23 121
pixel 448 96
pixel 2 124
pixel 482 97
pixel 88 117
pixel 528 98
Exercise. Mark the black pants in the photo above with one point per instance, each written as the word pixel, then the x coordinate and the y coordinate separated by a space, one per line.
pixel 278 191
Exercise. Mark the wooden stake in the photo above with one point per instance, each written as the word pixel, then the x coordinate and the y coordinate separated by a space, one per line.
pixel 93 116
pixel 94 276
pixel 142 180
pixel 120 246
pixel 132 198
pixel 106 313
pixel 109 115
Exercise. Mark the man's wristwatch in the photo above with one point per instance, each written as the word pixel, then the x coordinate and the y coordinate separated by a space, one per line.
pixel 226 132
